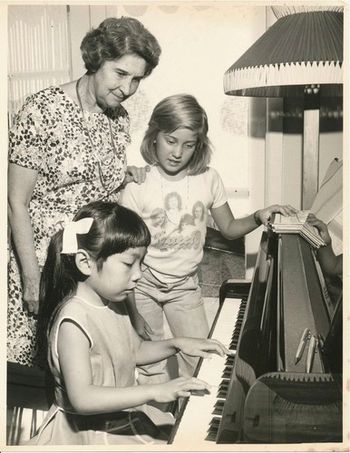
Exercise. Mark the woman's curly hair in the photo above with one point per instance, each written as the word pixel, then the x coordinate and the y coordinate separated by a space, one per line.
pixel 116 37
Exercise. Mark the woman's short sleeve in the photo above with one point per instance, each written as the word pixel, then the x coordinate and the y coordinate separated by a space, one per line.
pixel 26 138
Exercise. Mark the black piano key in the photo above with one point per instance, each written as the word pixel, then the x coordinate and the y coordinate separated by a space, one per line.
pixel 237 328
pixel 229 364
pixel 239 320
pixel 218 411
pixel 227 374
pixel 212 435
pixel 234 343
pixel 213 429
pixel 237 332
pixel 227 371
pixel 222 394
pixel 218 407
pixel 226 377
pixel 224 386
pixel 228 367
pixel 215 422
pixel 230 360
pixel 236 335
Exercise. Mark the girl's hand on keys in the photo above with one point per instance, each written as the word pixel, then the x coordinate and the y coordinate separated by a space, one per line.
pixel 180 387
pixel 201 347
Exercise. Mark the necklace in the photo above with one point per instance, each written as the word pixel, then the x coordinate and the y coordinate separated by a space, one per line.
pixel 101 163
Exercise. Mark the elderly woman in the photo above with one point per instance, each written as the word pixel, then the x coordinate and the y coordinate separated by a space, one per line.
pixel 67 148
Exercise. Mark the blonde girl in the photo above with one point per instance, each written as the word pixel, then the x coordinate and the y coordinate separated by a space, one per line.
pixel 177 146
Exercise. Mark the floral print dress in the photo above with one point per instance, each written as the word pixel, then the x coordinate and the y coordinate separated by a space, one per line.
pixel 76 162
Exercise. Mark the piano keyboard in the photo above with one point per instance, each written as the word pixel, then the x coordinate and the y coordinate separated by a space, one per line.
pixel 201 417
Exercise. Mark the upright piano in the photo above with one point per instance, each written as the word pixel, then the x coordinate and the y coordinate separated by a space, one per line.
pixel 284 382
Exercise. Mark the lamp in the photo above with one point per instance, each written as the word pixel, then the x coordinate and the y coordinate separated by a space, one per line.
pixel 300 55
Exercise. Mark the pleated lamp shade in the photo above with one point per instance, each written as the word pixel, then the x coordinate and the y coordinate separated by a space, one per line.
pixel 303 47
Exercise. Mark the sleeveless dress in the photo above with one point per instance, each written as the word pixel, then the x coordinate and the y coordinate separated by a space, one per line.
pixel 50 136
pixel 113 342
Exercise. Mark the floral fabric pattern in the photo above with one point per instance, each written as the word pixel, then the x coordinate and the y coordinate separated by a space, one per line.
pixel 51 136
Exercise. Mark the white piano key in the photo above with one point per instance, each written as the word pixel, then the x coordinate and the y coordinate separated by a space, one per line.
pixel 193 427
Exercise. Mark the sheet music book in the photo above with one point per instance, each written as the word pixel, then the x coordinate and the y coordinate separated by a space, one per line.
pixel 297 224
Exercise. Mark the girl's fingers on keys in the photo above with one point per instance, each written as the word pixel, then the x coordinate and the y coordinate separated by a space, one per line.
pixel 200 392
pixel 221 348
pixel 195 383
pixel 183 393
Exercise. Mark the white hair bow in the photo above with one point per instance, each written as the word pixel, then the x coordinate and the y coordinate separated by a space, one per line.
pixel 69 240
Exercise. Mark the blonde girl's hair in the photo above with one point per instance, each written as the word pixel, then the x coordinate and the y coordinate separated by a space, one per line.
pixel 172 113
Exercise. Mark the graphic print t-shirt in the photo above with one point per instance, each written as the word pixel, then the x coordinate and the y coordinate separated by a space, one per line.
pixel 176 214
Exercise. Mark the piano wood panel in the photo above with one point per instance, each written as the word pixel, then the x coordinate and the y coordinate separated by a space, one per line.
pixel 300 297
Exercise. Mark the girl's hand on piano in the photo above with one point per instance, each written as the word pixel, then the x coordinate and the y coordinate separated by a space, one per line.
pixel 264 215
pixel 201 347
pixel 180 387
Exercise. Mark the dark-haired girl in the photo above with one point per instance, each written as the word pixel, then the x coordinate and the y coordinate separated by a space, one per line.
pixel 67 148
pixel 91 267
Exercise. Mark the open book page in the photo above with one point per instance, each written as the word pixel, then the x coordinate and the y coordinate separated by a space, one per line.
pixel 291 221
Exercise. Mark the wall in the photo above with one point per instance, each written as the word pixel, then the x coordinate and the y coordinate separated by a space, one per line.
pixel 38 51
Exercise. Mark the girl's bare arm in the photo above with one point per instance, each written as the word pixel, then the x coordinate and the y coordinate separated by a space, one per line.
pixel 87 398
pixel 233 228
pixel 154 351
